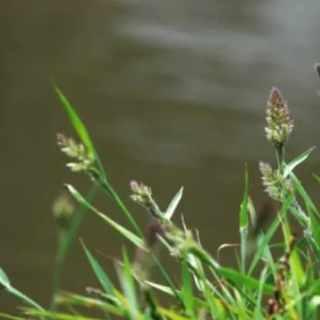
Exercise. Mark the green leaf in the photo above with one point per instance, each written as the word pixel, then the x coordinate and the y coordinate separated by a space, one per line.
pixel 162 288
pixel 106 186
pixel 298 276
pixel 294 163
pixel 314 302
pixel 99 272
pixel 123 231
pixel 109 305
pixel 128 287
pixel 237 278
pixel 58 316
pixel 258 313
pixel 86 139
pixel 244 221
pixel 4 280
pixel 22 297
pixel 79 127
pixel 244 205
pixel 209 292
pixel 147 314
pixel 173 204
pixel 80 214
pixel 263 245
pixel 170 314
pixel 187 291
pixel 317 178
pixel 6 286
pixel 167 279
pixel 10 317
pixel 298 186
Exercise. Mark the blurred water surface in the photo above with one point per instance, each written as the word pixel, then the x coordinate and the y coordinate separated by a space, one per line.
pixel 173 93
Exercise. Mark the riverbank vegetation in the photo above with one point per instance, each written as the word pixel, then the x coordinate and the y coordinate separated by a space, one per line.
pixel 272 280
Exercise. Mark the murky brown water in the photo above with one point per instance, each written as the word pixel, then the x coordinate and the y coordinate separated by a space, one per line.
pixel 173 93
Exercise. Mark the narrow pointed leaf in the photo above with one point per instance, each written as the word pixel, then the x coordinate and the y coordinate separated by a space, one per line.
pixel 4 280
pixel 99 272
pixel 79 127
pixel 6 286
pixel 299 187
pixel 173 204
pixel 78 220
pixel 263 245
pixel 244 221
pixel 294 163
pixel 128 286
pixel 187 291
pixel 123 231
pixel 236 278
pixel 10 317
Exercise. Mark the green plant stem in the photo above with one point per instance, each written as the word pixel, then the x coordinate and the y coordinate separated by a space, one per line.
pixel 64 247
pixel 65 242
pixel 280 152
pixel 104 184
pixel 56 286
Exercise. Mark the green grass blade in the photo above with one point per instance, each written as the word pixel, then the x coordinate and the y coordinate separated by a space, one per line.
pixel 237 278
pixel 77 222
pixel 173 204
pixel 139 242
pixel 298 273
pixel 6 286
pixel 86 139
pixel 171 314
pixel 298 186
pixel 106 186
pixel 244 221
pixel 4 280
pixel 147 314
pixel 165 289
pixel 258 312
pixel 270 233
pixel 79 127
pixel 128 286
pixel 256 240
pixel 209 293
pixel 317 178
pixel 58 316
pixel 22 297
pixel 10 317
pixel 99 272
pixel 187 291
pixel 168 281
pixel 294 163
pixel 105 303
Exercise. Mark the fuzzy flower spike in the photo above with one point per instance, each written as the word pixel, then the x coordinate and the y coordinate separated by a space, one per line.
pixel 279 123
pixel 142 195
pixel 84 161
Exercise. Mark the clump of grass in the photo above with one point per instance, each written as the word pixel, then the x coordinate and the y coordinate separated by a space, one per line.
pixel 263 286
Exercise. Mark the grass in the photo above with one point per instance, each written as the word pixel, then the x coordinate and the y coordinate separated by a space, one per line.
pixel 264 285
